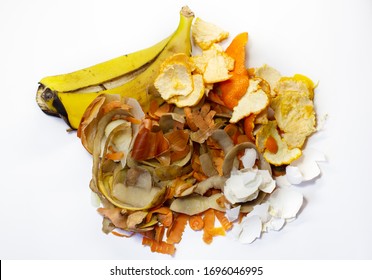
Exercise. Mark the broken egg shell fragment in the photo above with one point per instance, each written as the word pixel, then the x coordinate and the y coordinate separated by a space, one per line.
pixel 285 203
pixel 249 158
pixel 268 184
pixel 294 175
pixel 262 211
pixel 244 185
pixel 309 169
pixel 233 213
pixel 268 222
pixel 274 224
pixel 251 229
pixel 282 181
pixel 307 164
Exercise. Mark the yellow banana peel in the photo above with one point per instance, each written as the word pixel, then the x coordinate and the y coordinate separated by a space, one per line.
pixel 132 75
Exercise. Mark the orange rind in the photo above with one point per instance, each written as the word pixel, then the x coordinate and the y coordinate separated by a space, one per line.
pixel 205 33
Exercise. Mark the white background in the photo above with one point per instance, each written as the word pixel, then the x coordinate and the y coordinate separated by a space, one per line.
pixel 45 207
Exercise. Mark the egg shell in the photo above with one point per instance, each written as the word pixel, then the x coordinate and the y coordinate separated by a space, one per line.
pixel 233 213
pixel 282 181
pixel 268 183
pixel 249 158
pixel 275 224
pixel 251 229
pixel 293 175
pixel 285 203
pixel 262 211
pixel 307 163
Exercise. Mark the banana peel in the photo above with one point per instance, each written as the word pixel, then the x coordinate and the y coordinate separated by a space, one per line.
pixel 132 75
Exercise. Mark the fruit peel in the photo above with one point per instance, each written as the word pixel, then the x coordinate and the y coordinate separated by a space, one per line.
pixel 269 74
pixel 174 79
pixel 254 101
pixel 205 33
pixel 295 115
pixel 284 155
pixel 193 97
pixel 299 83
pixel 214 64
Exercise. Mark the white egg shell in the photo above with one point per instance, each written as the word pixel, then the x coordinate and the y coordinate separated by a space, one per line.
pixel 307 163
pixel 249 158
pixel 262 211
pixel 282 181
pixel 242 186
pixel 310 170
pixel 234 233
pixel 268 183
pixel 233 213
pixel 234 189
pixel 285 203
pixel 251 229
pixel 290 220
pixel 274 224
pixel 294 175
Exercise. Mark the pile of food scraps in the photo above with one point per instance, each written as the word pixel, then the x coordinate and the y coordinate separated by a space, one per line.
pixel 214 146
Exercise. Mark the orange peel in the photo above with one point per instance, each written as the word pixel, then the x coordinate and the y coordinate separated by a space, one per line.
pixel 205 33
pixel 253 102
pixel 283 154
pixel 295 115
